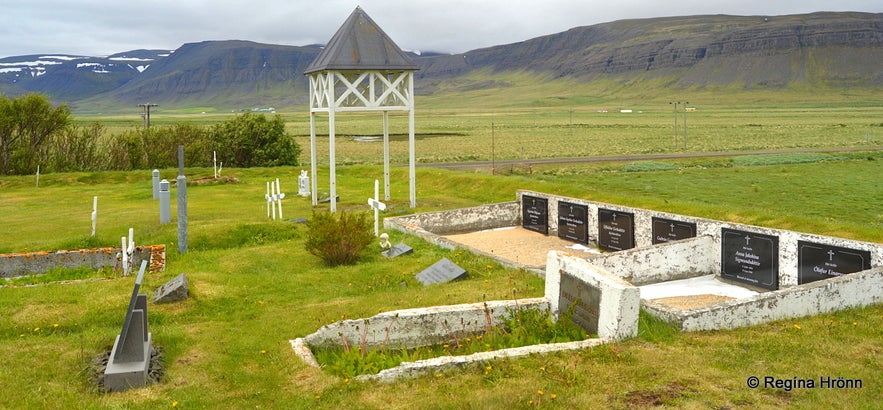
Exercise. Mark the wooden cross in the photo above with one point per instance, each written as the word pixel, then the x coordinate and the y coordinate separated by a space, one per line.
pixel 377 206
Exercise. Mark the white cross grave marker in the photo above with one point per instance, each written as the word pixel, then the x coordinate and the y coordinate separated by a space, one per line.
pixel 274 196
pixel 377 206
pixel 94 213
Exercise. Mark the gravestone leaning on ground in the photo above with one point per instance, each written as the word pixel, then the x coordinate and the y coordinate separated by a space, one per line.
pixel 129 360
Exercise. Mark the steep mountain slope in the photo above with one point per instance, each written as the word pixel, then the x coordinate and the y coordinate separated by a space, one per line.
pixel 829 48
pixel 70 77
pixel 224 72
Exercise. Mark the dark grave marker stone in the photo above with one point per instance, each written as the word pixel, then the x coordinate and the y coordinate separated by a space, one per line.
pixel 582 300
pixel 441 272
pixel 535 214
pixel 616 230
pixel 573 222
pixel 750 258
pixel 668 230
pixel 398 249
pixel 129 360
pixel 174 290
pixel 817 262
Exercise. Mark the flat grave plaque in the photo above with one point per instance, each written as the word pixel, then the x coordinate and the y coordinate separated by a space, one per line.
pixel 441 272
pixel 535 214
pixel 573 222
pixel 816 261
pixel 582 299
pixel 398 250
pixel 174 290
pixel 668 230
pixel 750 258
pixel 616 230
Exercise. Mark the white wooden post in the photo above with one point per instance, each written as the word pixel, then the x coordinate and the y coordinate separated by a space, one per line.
pixel 38 176
pixel 386 155
pixel 267 197
pixel 94 213
pixel 279 195
pixel 215 162
pixel 124 256
pixel 377 206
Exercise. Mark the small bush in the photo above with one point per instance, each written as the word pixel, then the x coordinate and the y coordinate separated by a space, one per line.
pixel 339 239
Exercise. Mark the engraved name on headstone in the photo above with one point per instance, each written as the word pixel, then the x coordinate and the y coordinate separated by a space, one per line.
pixel 535 214
pixel 581 300
pixel 573 222
pixel 750 258
pixel 616 230
pixel 441 272
pixel 668 230
pixel 817 261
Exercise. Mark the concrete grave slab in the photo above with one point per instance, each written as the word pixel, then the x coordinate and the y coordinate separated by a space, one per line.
pixel 398 249
pixel 441 272
pixel 176 289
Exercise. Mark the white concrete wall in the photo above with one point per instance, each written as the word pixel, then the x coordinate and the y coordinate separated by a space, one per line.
pixel 829 295
pixel 664 262
pixel 707 227
pixel 421 326
pixel 620 301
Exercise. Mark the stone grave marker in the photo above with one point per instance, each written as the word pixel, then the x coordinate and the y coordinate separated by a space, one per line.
pixel 535 214
pixel 176 289
pixel 303 184
pixel 668 230
pixel 155 177
pixel 398 249
pixel 129 360
pixel 582 300
pixel 751 258
pixel 441 272
pixel 573 222
pixel 165 202
pixel 616 230
pixel 817 261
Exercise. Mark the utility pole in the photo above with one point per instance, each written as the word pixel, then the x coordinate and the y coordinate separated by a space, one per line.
pixel 145 114
pixel 685 125
pixel 675 103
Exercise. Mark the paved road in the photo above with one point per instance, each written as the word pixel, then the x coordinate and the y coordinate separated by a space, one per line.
pixel 644 157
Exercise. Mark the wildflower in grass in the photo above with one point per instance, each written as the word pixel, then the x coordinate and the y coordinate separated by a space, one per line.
pixel 318 397
pixel 55 325
pixel 796 326
pixel 174 404
pixel 438 375
pixel 260 302
pixel 540 393
pixel 553 396
pixel 263 352
pixel 347 380
pixel 37 329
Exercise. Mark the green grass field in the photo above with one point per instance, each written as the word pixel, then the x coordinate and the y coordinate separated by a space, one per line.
pixel 254 287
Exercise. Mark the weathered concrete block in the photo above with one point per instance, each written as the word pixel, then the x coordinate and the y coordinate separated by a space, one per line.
pixel 602 300
pixel 174 290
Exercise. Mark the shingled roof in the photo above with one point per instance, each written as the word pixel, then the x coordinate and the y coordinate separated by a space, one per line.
pixel 360 44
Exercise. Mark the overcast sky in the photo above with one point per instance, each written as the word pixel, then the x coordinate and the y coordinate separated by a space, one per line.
pixel 103 27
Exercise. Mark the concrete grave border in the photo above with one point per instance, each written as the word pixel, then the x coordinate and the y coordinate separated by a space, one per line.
pixel 648 263
pixel 427 326
pixel 18 264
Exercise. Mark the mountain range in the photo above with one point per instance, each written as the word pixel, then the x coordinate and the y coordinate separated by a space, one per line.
pixel 826 49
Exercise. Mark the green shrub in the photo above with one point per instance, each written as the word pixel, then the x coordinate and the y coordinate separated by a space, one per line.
pixel 338 238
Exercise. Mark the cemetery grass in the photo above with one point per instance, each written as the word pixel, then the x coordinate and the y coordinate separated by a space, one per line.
pixel 254 288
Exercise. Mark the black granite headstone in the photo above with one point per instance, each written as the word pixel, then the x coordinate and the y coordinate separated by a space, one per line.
pixel 668 230
pixel 573 222
pixel 535 214
pixel 441 272
pixel 816 261
pixel 581 301
pixel 398 250
pixel 750 258
pixel 616 230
